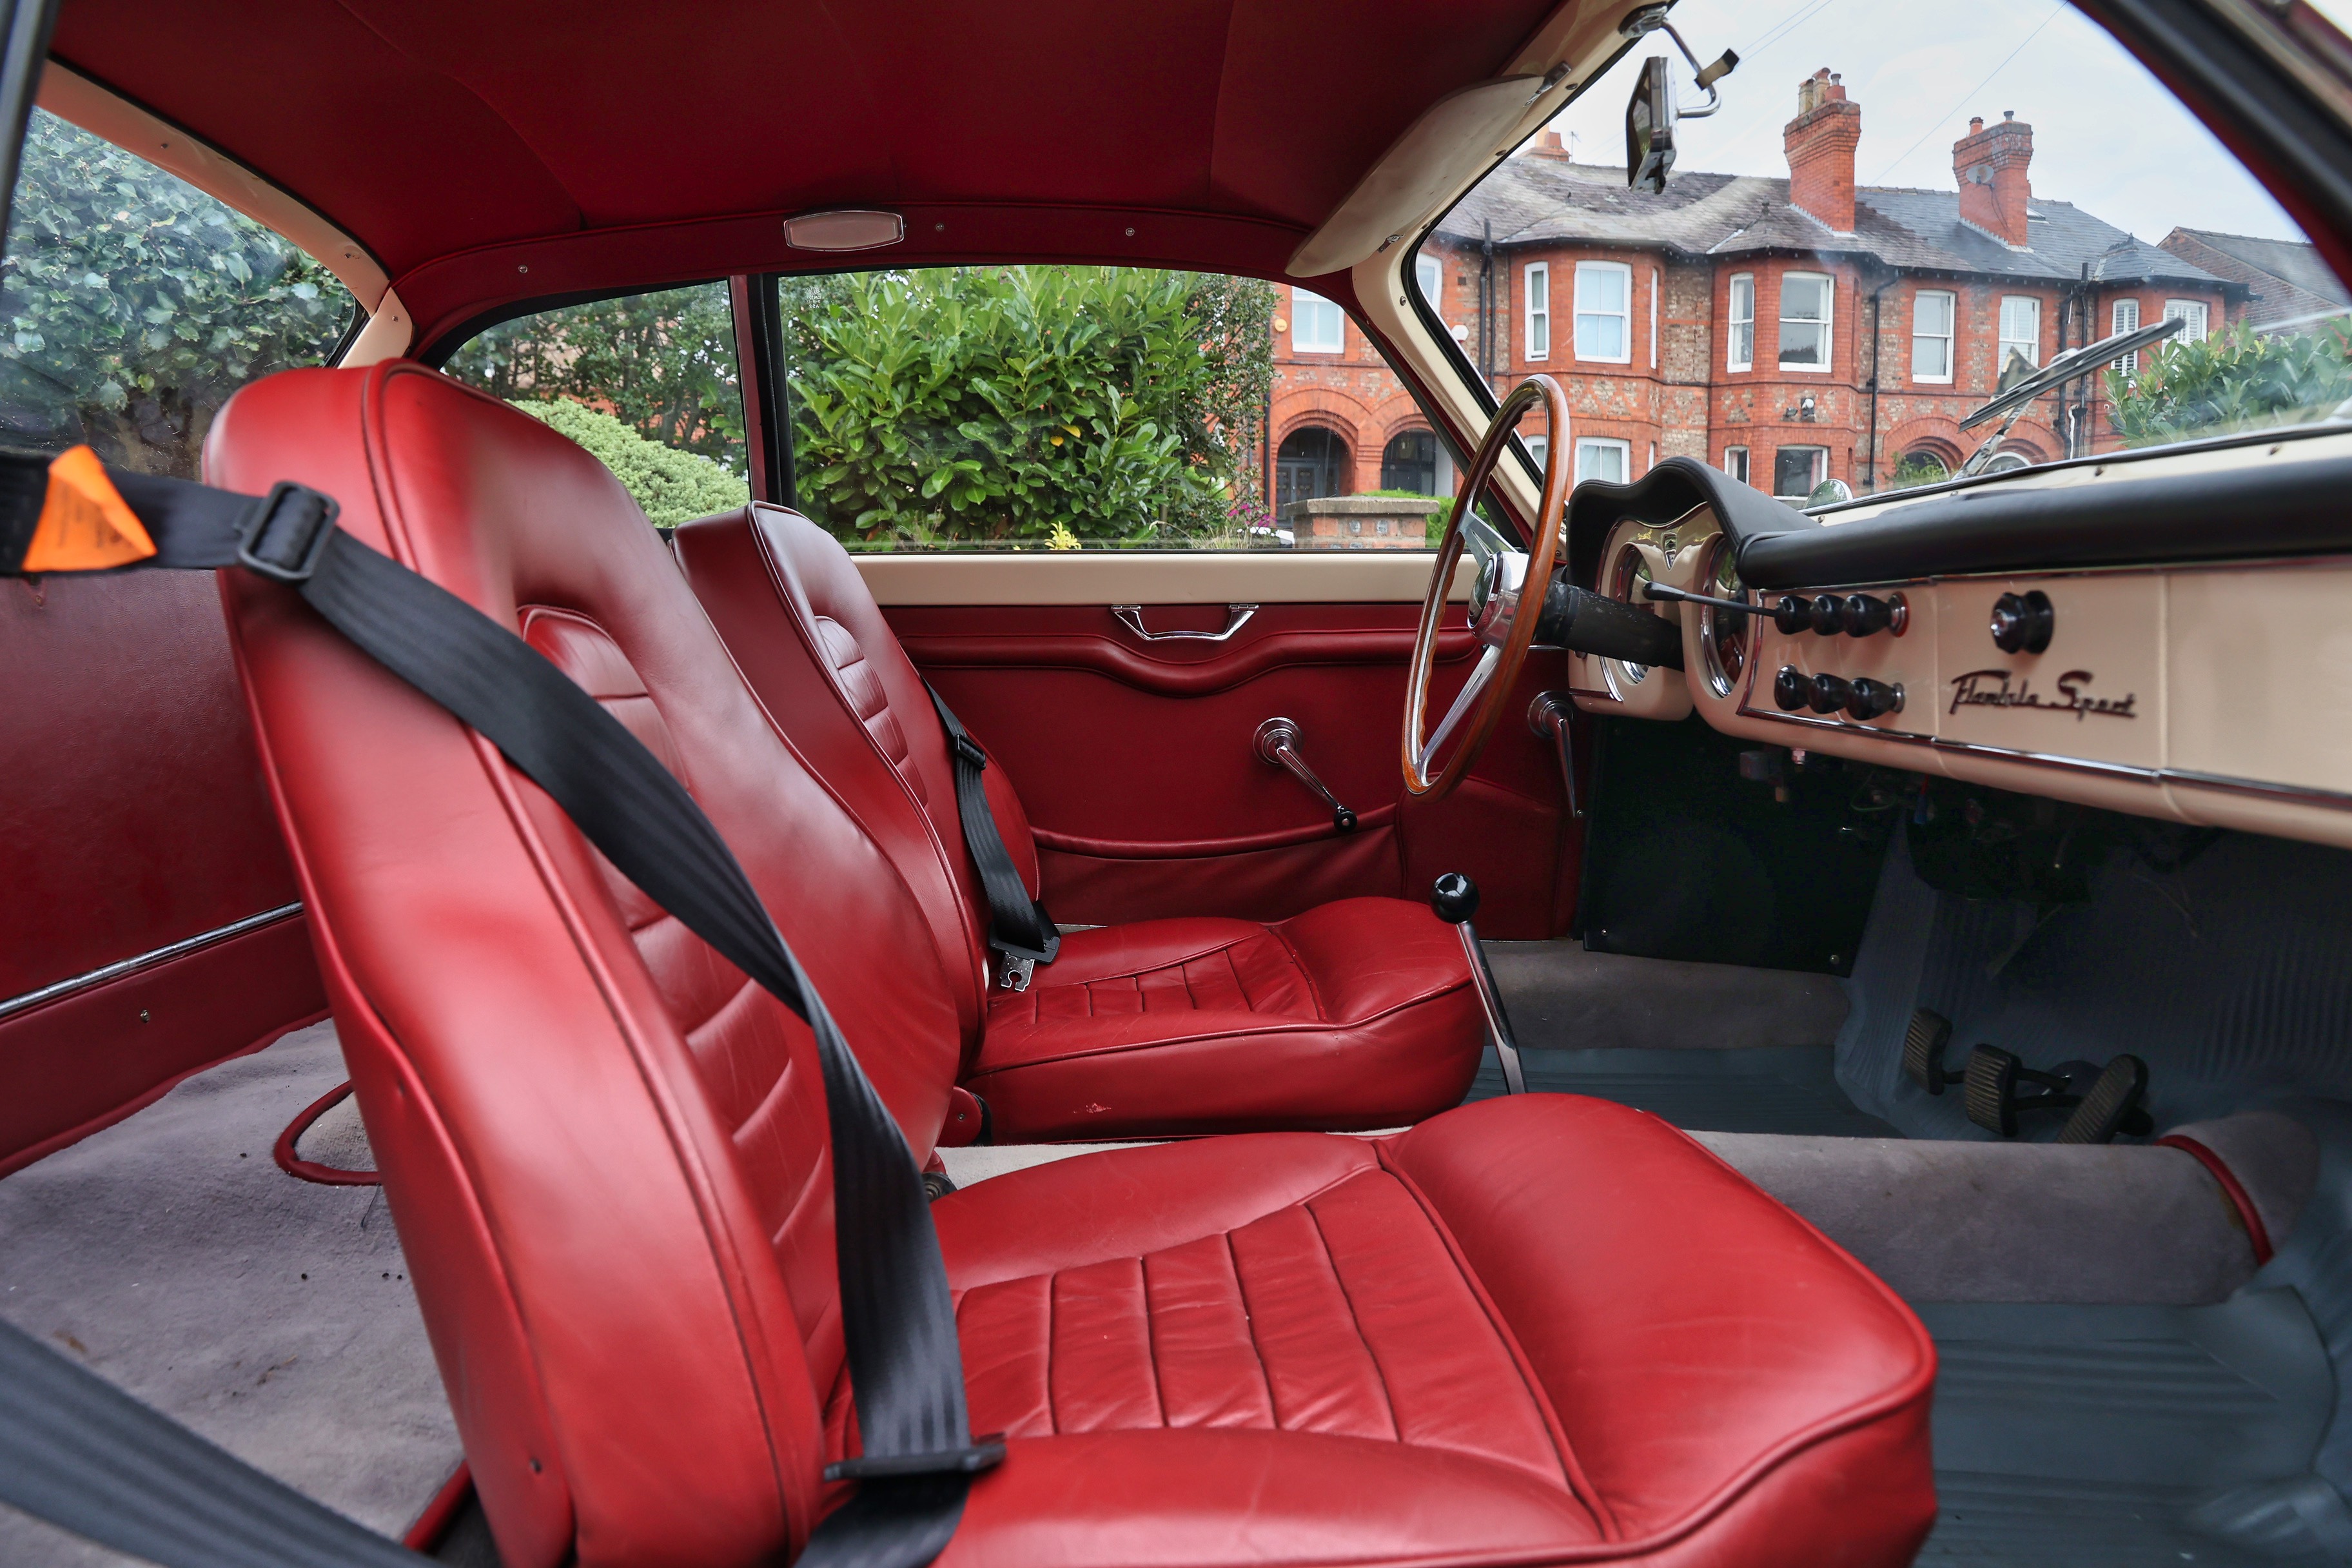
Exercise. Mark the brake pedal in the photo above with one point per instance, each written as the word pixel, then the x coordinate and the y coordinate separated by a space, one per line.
pixel 1923 1051
pixel 2112 1105
pixel 1990 1089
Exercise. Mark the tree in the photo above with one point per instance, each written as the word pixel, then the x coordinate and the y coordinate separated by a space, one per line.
pixel 1026 405
pixel 673 486
pixel 135 305
pixel 2235 380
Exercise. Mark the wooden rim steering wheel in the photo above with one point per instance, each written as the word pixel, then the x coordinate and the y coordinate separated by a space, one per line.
pixel 1506 600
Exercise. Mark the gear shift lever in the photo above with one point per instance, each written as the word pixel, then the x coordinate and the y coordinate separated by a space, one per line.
pixel 1456 900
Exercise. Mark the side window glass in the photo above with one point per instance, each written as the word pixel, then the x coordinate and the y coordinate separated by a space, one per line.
pixel 136 304
pixel 647 383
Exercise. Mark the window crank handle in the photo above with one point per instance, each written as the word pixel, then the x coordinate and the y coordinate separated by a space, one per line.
pixel 1277 746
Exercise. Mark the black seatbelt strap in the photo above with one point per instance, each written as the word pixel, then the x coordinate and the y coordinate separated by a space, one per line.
pixel 1020 931
pixel 897 1320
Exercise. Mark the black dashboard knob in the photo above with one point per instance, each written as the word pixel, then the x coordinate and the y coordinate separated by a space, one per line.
pixel 1829 694
pixel 1867 698
pixel 1790 689
pixel 1793 615
pixel 1866 615
pixel 1828 615
pixel 2022 623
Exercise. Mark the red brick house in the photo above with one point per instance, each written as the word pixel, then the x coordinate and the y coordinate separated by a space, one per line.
pixel 1788 331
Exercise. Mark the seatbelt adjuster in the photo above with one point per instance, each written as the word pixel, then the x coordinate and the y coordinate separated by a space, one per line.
pixel 983 1454
pixel 288 531
pixel 969 749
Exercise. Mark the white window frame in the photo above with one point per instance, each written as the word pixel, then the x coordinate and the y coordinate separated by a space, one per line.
pixel 1538 447
pixel 1429 277
pixel 1828 324
pixel 2003 341
pixel 2201 321
pixel 1537 281
pixel 1304 305
pixel 1623 315
pixel 1950 336
pixel 2123 316
pixel 1654 280
pixel 1736 463
pixel 1625 450
pixel 1821 468
pixel 1740 351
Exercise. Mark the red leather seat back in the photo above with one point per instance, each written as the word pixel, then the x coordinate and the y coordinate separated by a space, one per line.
pixel 818 650
pixel 604 1148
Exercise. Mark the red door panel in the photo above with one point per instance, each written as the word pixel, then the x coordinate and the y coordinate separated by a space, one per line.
pixel 134 819
pixel 1137 765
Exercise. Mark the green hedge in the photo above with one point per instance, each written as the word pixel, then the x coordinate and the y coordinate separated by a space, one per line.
pixel 674 487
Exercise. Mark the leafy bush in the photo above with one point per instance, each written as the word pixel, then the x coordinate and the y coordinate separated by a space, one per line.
pixel 674 487
pixel 135 305
pixel 1027 405
pixel 1917 470
pixel 2234 380
pixel 663 364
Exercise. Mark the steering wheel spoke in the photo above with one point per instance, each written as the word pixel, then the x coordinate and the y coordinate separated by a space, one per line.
pixel 1506 598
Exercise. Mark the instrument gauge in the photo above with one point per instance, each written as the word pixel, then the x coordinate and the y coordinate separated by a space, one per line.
pixel 1723 634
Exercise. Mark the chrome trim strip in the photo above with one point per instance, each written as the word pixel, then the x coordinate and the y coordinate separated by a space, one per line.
pixel 2301 794
pixel 31 999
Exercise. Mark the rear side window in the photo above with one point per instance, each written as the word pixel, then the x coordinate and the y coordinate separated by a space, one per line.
pixel 134 304
pixel 649 382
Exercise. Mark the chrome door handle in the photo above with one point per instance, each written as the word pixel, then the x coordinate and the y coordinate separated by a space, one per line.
pixel 1237 617
pixel 1277 746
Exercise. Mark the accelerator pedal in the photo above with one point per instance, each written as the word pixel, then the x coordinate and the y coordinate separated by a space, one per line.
pixel 1989 1088
pixel 2112 1106
pixel 1923 1051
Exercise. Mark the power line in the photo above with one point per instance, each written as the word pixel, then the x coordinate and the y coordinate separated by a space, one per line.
pixel 1780 29
pixel 1945 118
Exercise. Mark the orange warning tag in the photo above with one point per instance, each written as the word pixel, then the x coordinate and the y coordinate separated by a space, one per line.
pixel 86 525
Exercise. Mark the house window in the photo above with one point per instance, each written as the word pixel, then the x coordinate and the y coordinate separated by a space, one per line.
pixel 1805 299
pixel 1410 463
pixel 2191 314
pixel 1604 300
pixel 1742 335
pixel 1317 325
pixel 2021 329
pixel 1735 463
pixel 1931 335
pixel 1598 458
pixel 1539 312
pixel 1430 275
pixel 1654 318
pixel 1796 469
pixel 2124 317
pixel 1308 466
pixel 1538 447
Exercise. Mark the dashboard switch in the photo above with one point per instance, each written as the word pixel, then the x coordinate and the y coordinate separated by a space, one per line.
pixel 2021 623
pixel 1793 615
pixel 1829 694
pixel 1866 615
pixel 1867 698
pixel 1828 615
pixel 1790 689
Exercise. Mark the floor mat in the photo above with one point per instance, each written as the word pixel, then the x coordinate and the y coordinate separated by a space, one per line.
pixel 169 1253
pixel 1760 1089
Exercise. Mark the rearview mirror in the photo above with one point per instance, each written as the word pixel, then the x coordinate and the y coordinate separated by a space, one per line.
pixel 1650 127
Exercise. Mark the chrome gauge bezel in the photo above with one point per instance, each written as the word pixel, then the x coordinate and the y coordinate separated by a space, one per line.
pixel 1628 566
pixel 1725 637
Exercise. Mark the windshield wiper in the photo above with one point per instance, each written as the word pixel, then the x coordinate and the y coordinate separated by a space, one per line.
pixel 2062 369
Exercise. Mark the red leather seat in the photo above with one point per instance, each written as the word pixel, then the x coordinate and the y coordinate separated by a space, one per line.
pixel 1538 1330
pixel 1355 1014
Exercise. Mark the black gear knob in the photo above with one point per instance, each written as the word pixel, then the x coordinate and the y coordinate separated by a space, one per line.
pixel 1454 898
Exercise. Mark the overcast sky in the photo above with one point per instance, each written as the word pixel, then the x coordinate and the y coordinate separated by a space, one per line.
pixel 2107 135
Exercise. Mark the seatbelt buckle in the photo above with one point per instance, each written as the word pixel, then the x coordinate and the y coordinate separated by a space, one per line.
pixel 1014 969
pixel 983 1454
pixel 969 750
pixel 287 533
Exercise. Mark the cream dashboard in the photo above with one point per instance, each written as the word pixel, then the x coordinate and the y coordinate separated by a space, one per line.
pixel 2168 637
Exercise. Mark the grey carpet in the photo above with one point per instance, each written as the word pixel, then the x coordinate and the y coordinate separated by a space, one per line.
pixel 171 1254
pixel 1755 1089
pixel 1561 997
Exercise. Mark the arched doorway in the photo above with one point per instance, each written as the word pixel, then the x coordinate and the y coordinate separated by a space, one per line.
pixel 1410 463
pixel 1308 466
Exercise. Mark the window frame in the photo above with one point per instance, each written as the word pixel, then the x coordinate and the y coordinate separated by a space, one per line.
pixel 1538 447
pixel 2203 319
pixel 1827 323
pixel 1621 447
pixel 1821 469
pixel 1425 268
pixel 1535 281
pixel 1948 337
pixel 1733 359
pixel 1746 464
pixel 2003 340
pixel 1656 277
pixel 2127 364
pixel 1304 299
pixel 1623 315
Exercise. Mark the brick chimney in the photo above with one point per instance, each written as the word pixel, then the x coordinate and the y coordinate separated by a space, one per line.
pixel 1549 145
pixel 1991 167
pixel 1821 142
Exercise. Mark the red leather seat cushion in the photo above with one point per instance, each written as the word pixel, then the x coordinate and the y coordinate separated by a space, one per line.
pixel 1533 1329
pixel 1355 1014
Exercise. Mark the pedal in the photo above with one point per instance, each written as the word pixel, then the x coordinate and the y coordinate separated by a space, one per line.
pixel 2112 1106
pixel 1990 1089
pixel 1923 1051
